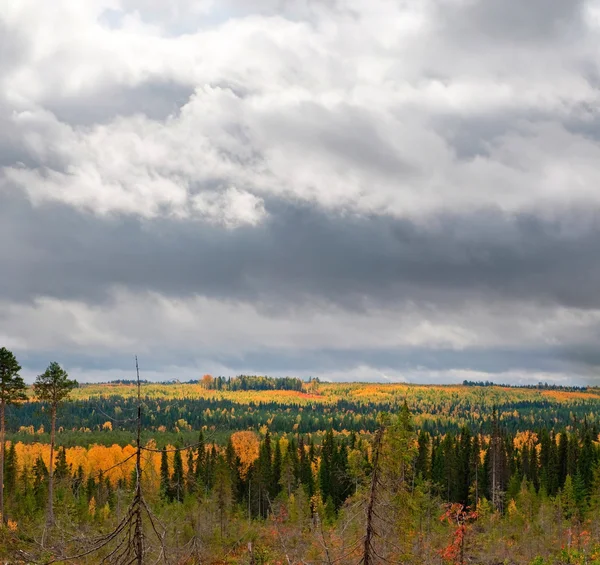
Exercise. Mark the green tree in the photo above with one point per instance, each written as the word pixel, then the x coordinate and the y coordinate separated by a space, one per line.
pixel 178 479
pixel 568 499
pixel 222 490
pixel 54 387
pixel 275 486
pixel 10 468
pixel 165 477
pixel 40 482
pixel 12 391
pixel 190 477
pixel 305 470
pixel 61 471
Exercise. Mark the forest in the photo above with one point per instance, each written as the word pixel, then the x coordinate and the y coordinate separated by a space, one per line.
pixel 252 469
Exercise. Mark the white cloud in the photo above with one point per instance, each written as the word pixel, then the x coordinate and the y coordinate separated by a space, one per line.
pixel 318 116
pixel 413 109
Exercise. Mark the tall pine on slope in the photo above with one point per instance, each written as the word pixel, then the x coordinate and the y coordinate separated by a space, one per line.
pixel 54 387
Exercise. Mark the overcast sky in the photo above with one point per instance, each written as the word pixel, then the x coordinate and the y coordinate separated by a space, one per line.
pixel 349 189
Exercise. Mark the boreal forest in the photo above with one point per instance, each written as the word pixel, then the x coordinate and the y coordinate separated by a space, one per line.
pixel 258 470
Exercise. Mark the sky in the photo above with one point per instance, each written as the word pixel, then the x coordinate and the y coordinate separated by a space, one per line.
pixel 350 189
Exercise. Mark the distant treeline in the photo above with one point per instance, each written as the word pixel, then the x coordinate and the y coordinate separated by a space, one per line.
pixel 251 382
pixel 537 386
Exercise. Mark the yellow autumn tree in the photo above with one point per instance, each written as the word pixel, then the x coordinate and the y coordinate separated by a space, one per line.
pixel 246 446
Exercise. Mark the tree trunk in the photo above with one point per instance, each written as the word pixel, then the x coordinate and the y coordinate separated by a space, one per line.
pixel 50 519
pixel 2 452
pixel 367 558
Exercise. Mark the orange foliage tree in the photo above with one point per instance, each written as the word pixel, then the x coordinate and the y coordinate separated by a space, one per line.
pixel 246 446
pixel 461 516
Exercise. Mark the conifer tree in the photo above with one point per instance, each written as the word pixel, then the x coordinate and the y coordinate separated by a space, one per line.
pixel 178 479
pixel 475 472
pixel 40 482
pixel 569 503
pixel 61 471
pixel 222 490
pixel 10 469
pixel 325 467
pixel 200 460
pixel 423 459
pixel 305 470
pixel 190 476
pixel 54 387
pixel 464 465
pixel 275 486
pixel 563 458
pixel 165 477
pixel 12 391
pixel 585 463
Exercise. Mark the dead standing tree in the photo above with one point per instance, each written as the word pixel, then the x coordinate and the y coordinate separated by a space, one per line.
pixel 127 543
pixel 385 504
pixel 368 557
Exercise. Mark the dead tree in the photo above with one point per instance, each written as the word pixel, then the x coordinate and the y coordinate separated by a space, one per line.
pixel 126 543
pixel 368 549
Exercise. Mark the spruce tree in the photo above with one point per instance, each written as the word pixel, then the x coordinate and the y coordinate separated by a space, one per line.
pixel 276 471
pixel 564 468
pixel 10 469
pixel 178 479
pixel 61 471
pixel 306 475
pixel 200 461
pixel 423 460
pixel 326 467
pixel 165 477
pixel 40 482
pixel 190 476
pixel 475 472
pixel 222 490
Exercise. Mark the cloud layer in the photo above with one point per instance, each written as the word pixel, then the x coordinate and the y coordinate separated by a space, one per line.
pixel 358 189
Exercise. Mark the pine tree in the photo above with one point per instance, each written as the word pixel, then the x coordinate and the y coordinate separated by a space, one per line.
pixel 12 391
pixel 54 387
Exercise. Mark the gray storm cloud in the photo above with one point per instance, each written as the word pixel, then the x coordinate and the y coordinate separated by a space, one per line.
pixel 233 187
